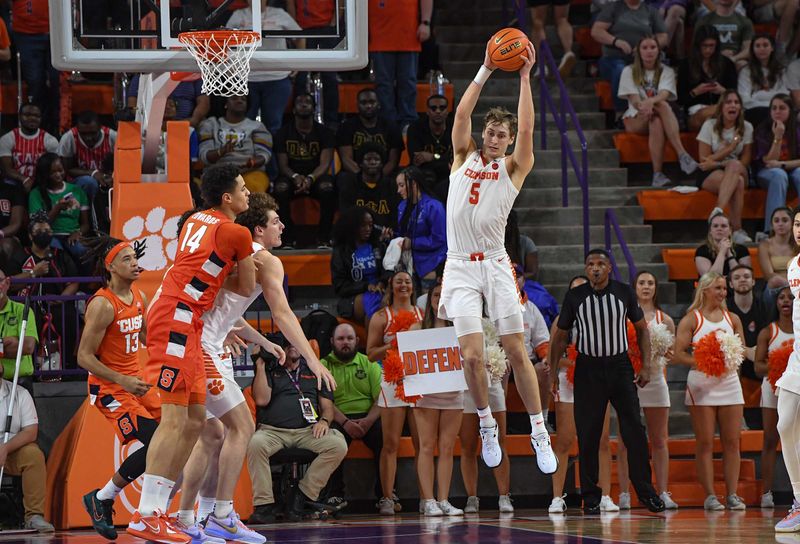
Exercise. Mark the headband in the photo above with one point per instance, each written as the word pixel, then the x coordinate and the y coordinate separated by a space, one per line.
pixel 114 251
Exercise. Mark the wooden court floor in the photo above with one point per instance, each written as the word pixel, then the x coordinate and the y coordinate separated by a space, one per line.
pixel 691 526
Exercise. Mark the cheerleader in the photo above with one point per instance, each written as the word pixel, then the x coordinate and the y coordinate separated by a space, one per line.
pixel 566 436
pixel 654 400
pixel 712 399
pixel 771 341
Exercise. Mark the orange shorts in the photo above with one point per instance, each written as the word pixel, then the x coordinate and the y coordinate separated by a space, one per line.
pixel 174 352
pixel 122 409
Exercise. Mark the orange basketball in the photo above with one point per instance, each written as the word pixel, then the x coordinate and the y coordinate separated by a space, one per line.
pixel 506 48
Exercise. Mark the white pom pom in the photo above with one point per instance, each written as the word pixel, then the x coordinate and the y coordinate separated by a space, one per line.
pixel 661 340
pixel 732 350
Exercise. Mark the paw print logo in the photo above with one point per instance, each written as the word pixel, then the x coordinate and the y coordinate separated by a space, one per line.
pixel 216 387
pixel 158 233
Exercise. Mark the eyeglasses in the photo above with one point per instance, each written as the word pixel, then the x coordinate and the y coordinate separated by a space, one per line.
pixel 437 108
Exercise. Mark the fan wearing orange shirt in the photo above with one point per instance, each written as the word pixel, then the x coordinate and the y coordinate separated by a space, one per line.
pixel 109 350
pixel 210 244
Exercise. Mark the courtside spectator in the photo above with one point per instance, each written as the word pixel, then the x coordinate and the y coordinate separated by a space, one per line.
pixel 761 79
pixel 793 82
pixel 564 31
pixel 235 139
pixel 13 215
pixel 430 146
pixel 11 317
pixel 365 128
pixel 356 412
pixel 421 224
pixel 784 14
pixel 619 27
pixel 396 33
pixel 777 154
pixel 725 149
pixel 775 252
pixel 704 76
pixel 735 30
pixel 649 86
pixel 305 151
pixel 370 188
pixel 357 265
pixel 719 253
pixel 269 91
pixel 21 147
pixel 83 148
pixel 190 102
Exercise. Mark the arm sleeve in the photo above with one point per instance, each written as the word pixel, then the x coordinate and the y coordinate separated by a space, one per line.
pixel 206 136
pixel 635 312
pixel 7 144
pixel 626 84
pixel 667 83
pixel 51 143
pixel 81 197
pixel 66 147
pixel 745 88
pixel 659 26
pixel 566 317
pixel 236 240
pixel 438 226
pixel 703 251
pixel 27 410
pixel 262 142
pixel 748 133
pixel 748 30
pixel 740 251
pixel 705 134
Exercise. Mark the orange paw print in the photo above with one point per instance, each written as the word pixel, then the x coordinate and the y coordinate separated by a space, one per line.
pixel 215 387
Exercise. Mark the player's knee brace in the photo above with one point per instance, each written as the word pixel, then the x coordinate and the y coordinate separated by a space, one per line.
pixel 467 325
pixel 510 325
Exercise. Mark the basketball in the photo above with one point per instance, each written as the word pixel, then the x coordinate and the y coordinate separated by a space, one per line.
pixel 506 48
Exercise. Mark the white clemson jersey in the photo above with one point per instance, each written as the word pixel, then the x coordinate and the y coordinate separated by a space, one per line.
pixel 221 318
pixel 791 377
pixel 479 199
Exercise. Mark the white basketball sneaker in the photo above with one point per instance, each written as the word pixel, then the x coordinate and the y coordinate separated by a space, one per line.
pixel 545 458
pixel 490 449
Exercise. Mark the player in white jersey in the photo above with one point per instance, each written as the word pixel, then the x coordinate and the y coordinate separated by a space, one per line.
pixel 789 396
pixel 224 331
pixel 483 186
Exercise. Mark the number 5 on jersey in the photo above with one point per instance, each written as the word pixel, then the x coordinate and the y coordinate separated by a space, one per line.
pixel 474 195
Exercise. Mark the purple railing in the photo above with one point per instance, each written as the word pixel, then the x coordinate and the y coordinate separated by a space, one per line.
pixel 610 220
pixel 561 116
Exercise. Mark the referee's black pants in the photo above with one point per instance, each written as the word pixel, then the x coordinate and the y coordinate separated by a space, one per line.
pixel 599 380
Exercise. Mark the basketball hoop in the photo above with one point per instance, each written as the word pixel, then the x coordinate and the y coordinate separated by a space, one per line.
pixel 223 57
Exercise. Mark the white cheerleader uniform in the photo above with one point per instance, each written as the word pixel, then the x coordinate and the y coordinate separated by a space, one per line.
pixel 387 398
pixel 704 390
pixel 776 338
pixel 497 397
pixel 656 393
pixel 790 380
pixel 566 391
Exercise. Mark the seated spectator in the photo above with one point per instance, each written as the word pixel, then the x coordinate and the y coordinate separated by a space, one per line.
pixel 793 82
pixel 725 148
pixel 393 410
pixel 438 420
pixel 422 225
pixel 83 149
pixel 21 455
pixel 734 26
pixel 619 27
pixel 370 188
pixel 674 14
pixel 784 14
pixel 775 252
pixel 538 9
pixel 761 79
pixel 356 412
pixel 368 127
pixel 190 102
pixel 357 265
pixel 704 7
pixel 235 139
pixel 269 91
pixel 720 254
pixel 283 395
pixel 21 147
pixel 777 156
pixel 13 214
pixel 430 146
pixel 65 203
pixel 704 76
pixel 57 321
pixel 649 86
pixel 11 315
pixel 305 151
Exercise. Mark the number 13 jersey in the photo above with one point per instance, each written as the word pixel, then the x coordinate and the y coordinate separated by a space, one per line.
pixel 479 199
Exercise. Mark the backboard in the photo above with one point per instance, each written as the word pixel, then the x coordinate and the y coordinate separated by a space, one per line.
pixel 141 35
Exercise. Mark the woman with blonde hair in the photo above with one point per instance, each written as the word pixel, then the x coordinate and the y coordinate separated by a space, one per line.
pixel 649 86
pixel 380 337
pixel 712 399
pixel 719 254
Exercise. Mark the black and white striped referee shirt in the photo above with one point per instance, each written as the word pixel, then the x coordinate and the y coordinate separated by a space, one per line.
pixel 600 318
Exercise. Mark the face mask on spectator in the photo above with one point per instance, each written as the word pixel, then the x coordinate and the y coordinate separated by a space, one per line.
pixel 42 239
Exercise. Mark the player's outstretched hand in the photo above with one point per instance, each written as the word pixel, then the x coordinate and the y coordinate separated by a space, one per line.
pixel 487 58
pixel 134 385
pixel 323 374
pixel 529 60
pixel 275 350
pixel 233 344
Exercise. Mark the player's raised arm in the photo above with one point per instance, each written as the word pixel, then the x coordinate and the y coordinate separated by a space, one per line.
pixel 462 124
pixel 522 158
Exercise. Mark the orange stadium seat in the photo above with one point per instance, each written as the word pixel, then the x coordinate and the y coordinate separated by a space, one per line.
pixel 660 205
pixel 633 148
pixel 589 47
pixel 602 89
pixel 349 91
pixel 680 263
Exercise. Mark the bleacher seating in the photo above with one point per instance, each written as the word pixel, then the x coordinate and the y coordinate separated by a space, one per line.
pixel 680 263
pixel 663 205
pixel 633 148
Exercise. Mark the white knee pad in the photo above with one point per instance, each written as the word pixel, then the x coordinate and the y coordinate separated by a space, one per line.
pixel 510 325
pixel 467 325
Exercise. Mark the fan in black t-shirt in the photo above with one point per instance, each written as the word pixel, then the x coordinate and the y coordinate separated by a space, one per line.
pixel 430 145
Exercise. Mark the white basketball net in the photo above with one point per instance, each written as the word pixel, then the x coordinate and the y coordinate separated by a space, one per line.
pixel 223 57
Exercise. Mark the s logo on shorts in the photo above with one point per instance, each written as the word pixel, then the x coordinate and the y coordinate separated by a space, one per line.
pixel 126 426
pixel 168 377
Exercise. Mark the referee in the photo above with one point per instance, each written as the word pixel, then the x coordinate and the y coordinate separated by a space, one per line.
pixel 599 311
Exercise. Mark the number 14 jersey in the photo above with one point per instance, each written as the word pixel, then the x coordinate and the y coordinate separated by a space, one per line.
pixel 479 200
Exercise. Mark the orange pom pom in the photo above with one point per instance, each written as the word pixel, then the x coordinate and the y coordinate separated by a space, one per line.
pixel 572 353
pixel 400 393
pixel 571 374
pixel 634 353
pixel 401 321
pixel 392 367
pixel 777 361
pixel 708 356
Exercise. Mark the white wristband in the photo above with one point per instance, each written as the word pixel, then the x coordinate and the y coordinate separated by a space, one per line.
pixel 94 172
pixel 482 75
